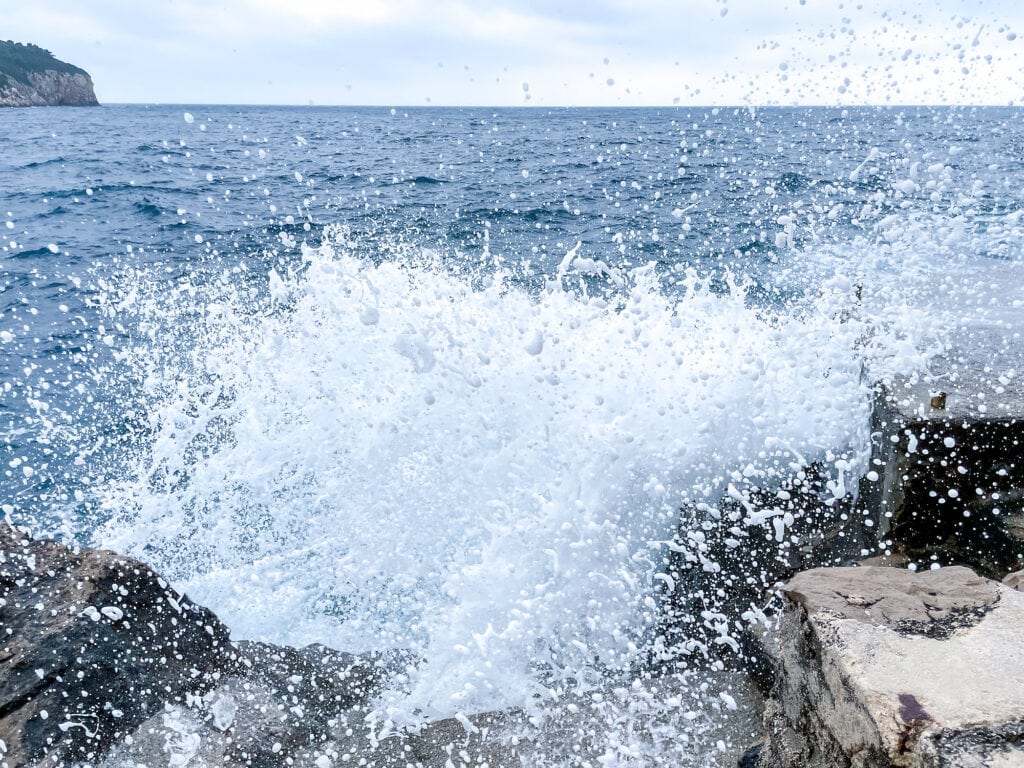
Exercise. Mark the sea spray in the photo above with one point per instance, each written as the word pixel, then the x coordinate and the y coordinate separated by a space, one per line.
pixel 389 454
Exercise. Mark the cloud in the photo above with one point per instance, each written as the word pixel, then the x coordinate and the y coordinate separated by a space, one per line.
pixel 457 51
pixel 332 13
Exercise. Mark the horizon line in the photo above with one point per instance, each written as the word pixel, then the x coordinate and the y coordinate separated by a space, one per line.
pixel 308 105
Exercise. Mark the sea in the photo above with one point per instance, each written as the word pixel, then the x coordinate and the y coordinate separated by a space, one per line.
pixel 460 382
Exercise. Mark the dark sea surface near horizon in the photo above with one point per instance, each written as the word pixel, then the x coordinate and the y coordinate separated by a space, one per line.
pixel 152 257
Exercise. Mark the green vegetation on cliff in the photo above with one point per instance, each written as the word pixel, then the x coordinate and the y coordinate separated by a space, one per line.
pixel 17 60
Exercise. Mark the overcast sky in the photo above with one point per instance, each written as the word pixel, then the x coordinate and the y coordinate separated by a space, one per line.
pixel 538 52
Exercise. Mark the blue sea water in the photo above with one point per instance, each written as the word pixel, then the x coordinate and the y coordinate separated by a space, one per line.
pixel 442 379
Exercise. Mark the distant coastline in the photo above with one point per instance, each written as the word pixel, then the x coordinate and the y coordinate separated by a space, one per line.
pixel 31 76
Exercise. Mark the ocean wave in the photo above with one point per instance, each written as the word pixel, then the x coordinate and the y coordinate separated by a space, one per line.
pixel 386 453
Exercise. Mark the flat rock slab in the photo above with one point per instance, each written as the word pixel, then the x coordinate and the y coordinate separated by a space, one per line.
pixel 884 667
pixel 934 603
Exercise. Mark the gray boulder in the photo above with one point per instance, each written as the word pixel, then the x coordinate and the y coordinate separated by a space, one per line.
pixel 101 661
pixel 91 645
pixel 881 667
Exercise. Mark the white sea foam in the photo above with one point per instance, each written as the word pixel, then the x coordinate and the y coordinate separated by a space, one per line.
pixel 395 455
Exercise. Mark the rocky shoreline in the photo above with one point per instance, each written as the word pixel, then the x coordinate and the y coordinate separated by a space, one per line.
pixel 921 664
pixel 103 663
pixel 49 89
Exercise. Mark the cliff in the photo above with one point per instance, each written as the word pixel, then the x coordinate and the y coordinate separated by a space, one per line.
pixel 32 77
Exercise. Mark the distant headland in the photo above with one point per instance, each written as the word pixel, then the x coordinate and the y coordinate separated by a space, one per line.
pixel 31 76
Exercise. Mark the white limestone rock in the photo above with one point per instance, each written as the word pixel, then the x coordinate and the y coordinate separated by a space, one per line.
pixel 883 667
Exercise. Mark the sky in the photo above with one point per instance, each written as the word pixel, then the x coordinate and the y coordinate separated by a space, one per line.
pixel 535 52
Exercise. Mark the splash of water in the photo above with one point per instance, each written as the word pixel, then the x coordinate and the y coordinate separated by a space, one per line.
pixel 393 455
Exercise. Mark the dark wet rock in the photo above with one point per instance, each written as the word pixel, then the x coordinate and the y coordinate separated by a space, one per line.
pixel 245 722
pixel 99 656
pixel 950 480
pixel 91 645
pixel 237 725
pixel 728 558
pixel 879 667
pixel 103 663
pixel 998 746
pixel 751 758
pixel 484 739
pixel 290 701
pixel 316 679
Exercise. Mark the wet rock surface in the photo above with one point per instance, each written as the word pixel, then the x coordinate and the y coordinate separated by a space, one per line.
pixel 194 736
pixel 218 729
pixel 104 664
pixel 882 667
pixel 726 559
pixel 99 654
pixel 950 468
pixel 92 644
